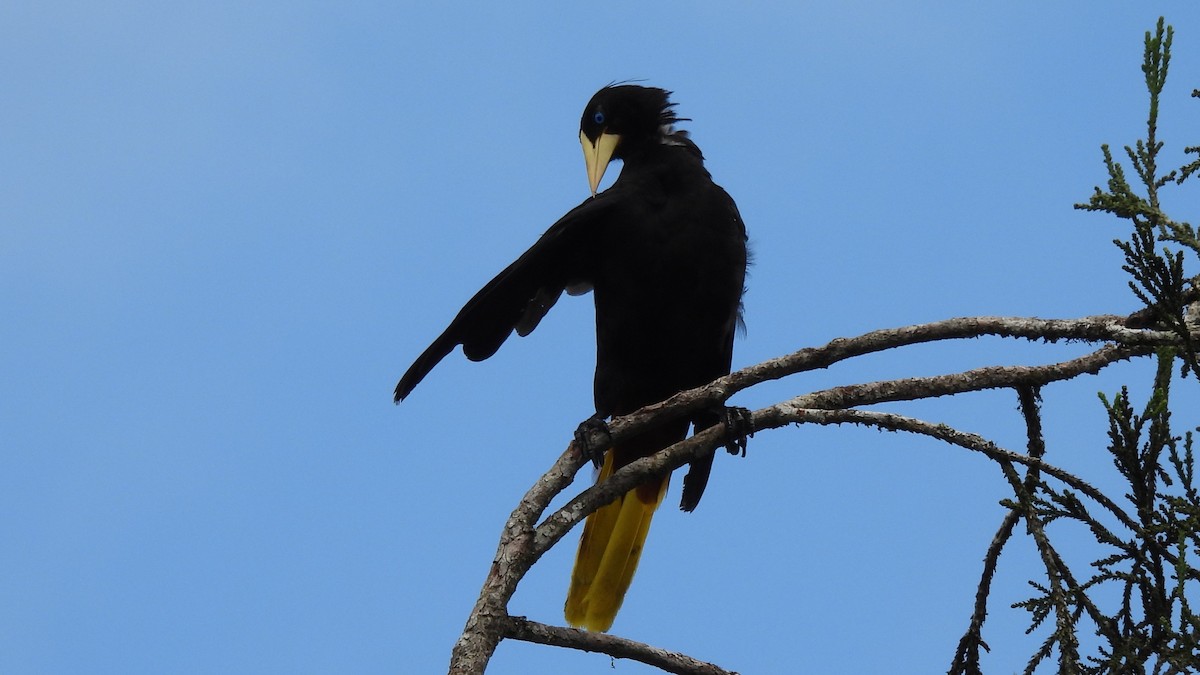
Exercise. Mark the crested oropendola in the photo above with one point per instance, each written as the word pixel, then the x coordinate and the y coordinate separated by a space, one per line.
pixel 664 250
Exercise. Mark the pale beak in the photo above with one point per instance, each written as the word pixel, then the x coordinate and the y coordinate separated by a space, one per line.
pixel 597 156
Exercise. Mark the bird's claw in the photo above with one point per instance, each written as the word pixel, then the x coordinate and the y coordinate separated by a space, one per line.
pixel 739 426
pixel 593 424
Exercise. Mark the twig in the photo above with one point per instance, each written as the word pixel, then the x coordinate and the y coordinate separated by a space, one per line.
pixel 966 657
pixel 893 422
pixel 520 628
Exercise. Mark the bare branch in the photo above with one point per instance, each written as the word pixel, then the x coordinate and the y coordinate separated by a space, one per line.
pixel 802 409
pixel 942 432
pixel 514 556
pixel 979 379
pixel 522 543
pixel 520 628
pixel 1104 328
pixel 966 657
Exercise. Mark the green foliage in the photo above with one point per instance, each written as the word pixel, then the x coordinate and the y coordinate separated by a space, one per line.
pixel 1134 595
pixel 1147 556
pixel 1153 628
pixel 1158 277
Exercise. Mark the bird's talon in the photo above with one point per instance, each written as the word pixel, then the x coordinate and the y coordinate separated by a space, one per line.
pixel 593 424
pixel 739 427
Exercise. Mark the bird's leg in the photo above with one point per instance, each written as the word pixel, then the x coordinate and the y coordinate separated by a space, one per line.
pixel 593 424
pixel 739 426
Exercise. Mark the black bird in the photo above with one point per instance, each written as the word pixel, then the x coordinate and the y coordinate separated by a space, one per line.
pixel 664 250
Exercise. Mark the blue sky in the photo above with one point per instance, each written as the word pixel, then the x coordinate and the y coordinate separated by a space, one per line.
pixel 227 228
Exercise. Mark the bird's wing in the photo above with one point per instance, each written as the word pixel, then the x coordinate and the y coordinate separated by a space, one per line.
pixel 518 297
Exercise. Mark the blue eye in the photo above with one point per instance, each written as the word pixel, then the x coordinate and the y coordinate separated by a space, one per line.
pixel 598 118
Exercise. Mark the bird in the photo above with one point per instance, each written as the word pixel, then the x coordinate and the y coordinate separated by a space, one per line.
pixel 664 252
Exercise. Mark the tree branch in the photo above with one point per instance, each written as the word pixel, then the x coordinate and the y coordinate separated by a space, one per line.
pixel 514 556
pixel 520 628
pixel 1103 328
pixel 804 409
pixel 966 657
pixel 521 543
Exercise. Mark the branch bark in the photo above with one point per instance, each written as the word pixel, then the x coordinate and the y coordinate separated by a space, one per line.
pixel 522 542
pixel 520 628
pixel 1091 329
pixel 514 556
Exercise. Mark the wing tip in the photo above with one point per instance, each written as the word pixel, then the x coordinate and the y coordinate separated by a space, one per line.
pixel 409 381
pixel 422 366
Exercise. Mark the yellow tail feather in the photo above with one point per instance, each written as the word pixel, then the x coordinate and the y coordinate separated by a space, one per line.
pixel 608 555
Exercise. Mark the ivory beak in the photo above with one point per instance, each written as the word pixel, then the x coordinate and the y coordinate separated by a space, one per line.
pixel 597 156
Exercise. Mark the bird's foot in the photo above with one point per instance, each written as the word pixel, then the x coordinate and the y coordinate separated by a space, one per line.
pixel 739 427
pixel 593 424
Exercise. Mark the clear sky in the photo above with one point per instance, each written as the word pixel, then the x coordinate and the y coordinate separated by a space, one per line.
pixel 227 228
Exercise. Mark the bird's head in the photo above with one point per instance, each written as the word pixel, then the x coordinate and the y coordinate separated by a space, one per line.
pixel 619 119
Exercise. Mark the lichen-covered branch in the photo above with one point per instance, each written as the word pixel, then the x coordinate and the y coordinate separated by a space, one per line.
pixel 523 542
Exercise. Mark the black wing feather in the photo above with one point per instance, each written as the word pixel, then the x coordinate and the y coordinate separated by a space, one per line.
pixel 518 297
